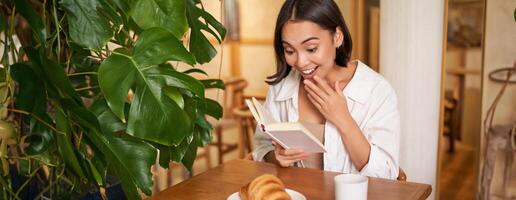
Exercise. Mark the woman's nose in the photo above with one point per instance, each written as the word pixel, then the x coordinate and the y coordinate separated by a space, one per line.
pixel 302 60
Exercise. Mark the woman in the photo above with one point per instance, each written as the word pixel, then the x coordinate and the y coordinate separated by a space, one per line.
pixel 350 108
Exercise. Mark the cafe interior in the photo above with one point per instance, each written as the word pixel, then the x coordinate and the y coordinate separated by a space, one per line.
pixel 447 60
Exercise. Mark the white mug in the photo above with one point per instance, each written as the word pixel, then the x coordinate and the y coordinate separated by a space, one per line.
pixel 351 187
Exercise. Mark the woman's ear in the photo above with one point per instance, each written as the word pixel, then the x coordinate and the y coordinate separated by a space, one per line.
pixel 338 37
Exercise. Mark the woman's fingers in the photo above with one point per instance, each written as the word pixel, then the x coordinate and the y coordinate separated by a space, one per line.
pixel 323 85
pixel 287 157
pixel 314 102
pixel 311 94
pixel 315 89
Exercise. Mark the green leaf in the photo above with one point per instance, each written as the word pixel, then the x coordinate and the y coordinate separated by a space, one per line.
pixel 116 76
pixel 178 152
pixel 48 158
pixel 56 81
pixel 204 137
pixel 3 25
pixel 201 121
pixel 82 60
pixel 132 166
pixel 157 45
pixel 174 94
pixel 171 77
pixel 30 97
pixel 213 108
pixel 108 9
pixel 26 167
pixel 189 157
pixel 122 5
pixel 39 139
pixel 87 27
pixel 200 46
pixel 153 115
pixel 34 20
pixel 168 14
pixel 99 179
pixel 213 83
pixel 65 147
pixel 109 123
pixel 195 70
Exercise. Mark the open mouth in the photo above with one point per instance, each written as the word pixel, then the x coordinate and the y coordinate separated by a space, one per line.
pixel 307 73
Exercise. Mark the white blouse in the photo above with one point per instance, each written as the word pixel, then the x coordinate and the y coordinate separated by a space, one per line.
pixel 373 105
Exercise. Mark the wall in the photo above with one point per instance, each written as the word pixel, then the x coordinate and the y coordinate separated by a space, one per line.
pixel 411 36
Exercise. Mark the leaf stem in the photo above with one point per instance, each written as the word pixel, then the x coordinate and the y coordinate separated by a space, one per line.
pixel 7 188
pixel 52 183
pixel 54 13
pixel 83 73
pixel 86 88
pixel 27 181
pixel 37 118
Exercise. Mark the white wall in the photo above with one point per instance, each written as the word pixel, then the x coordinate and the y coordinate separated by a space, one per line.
pixel 411 33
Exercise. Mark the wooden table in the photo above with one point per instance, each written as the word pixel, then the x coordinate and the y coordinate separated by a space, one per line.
pixel 222 181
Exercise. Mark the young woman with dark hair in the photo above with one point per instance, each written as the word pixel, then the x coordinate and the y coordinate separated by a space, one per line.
pixel 350 108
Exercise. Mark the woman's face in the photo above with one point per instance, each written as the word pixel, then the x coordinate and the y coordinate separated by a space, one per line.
pixel 309 48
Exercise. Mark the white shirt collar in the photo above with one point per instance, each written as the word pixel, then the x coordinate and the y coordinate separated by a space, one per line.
pixel 358 89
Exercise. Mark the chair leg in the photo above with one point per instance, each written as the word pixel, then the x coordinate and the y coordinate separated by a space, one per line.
pixel 170 174
pixel 208 156
pixel 248 134
pixel 218 131
pixel 241 144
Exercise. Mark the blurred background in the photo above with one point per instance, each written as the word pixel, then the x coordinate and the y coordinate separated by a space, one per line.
pixel 478 50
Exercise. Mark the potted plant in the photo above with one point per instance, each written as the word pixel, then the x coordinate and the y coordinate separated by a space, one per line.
pixel 87 92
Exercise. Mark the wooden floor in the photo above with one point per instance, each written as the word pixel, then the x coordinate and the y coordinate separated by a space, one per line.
pixel 459 172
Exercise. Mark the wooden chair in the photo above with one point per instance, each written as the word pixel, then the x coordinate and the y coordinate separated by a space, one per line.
pixel 451 120
pixel 246 125
pixel 233 97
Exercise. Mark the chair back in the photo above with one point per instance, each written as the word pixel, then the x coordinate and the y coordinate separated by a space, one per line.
pixel 233 95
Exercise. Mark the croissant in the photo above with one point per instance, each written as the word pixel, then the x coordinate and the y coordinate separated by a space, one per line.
pixel 264 187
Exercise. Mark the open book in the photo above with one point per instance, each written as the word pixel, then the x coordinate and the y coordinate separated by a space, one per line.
pixel 287 134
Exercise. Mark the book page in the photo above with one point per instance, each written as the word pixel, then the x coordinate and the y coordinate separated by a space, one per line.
pixel 254 112
pixel 265 115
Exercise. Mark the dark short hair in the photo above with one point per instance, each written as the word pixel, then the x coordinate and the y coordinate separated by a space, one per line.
pixel 324 13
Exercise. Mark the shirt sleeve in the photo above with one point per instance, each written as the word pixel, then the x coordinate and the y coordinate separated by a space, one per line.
pixel 383 133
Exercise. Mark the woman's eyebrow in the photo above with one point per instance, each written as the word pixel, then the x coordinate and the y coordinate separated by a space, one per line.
pixel 308 39
pixel 304 41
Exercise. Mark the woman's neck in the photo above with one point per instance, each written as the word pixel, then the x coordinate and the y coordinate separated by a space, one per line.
pixel 342 74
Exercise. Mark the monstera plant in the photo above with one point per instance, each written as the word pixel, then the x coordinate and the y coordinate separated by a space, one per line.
pixel 88 92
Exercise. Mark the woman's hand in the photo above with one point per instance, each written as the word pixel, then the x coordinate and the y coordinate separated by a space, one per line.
pixel 330 102
pixel 287 157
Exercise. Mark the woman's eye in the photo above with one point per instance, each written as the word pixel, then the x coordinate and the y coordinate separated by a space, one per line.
pixel 289 52
pixel 312 50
